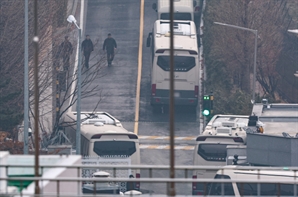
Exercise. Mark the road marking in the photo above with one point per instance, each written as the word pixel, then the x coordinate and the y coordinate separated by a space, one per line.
pixel 144 137
pixel 136 126
pixel 165 147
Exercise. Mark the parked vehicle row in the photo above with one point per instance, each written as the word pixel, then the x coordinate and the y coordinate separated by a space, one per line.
pixel 186 55
pixel 104 138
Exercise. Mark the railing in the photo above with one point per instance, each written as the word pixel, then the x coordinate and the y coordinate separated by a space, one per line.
pixel 58 184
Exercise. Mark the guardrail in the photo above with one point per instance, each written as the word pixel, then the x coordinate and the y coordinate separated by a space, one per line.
pixel 59 183
pixel 154 167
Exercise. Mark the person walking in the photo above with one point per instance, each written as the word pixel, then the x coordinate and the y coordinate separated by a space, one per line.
pixel 87 48
pixel 110 45
pixel 66 50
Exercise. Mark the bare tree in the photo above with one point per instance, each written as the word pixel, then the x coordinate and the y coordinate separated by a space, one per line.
pixel 11 70
pixel 52 27
pixel 271 42
pixel 54 82
pixel 236 47
pixel 12 62
pixel 67 97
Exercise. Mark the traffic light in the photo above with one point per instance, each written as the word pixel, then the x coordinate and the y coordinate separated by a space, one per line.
pixel 207 105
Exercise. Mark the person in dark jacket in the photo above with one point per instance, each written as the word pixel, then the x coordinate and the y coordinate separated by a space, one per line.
pixel 66 50
pixel 110 45
pixel 87 48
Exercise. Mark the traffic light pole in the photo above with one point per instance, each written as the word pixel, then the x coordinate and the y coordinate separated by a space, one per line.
pixel 207 110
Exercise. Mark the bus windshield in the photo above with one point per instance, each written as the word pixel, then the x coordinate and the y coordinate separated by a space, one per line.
pixel 213 152
pixel 181 63
pixel 114 148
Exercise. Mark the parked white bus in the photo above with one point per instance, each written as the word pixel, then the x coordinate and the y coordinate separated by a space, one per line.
pixel 183 9
pixel 211 145
pixel 186 63
pixel 102 135
pixel 284 186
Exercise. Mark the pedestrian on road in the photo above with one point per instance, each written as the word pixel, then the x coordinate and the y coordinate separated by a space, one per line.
pixel 65 51
pixel 110 46
pixel 87 48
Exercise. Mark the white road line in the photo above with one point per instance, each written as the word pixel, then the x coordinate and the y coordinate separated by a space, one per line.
pixel 144 146
pixel 162 147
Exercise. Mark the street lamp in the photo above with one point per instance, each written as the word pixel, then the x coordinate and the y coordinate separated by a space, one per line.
pixel 71 19
pixel 295 31
pixel 255 55
pixel 296 74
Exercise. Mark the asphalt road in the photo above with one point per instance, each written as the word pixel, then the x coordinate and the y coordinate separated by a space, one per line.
pixel 118 84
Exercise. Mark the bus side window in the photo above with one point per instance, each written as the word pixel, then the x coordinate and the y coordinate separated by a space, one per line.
pixel 266 189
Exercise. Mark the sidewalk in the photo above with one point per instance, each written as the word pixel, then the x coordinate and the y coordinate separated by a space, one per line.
pixel 49 93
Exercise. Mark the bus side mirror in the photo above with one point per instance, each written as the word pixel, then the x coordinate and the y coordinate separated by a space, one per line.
pixel 149 40
pixel 154 7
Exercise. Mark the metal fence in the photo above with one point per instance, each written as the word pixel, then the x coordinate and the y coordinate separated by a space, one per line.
pixel 60 183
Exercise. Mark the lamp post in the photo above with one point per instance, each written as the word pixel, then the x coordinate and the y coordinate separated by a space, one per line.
pixel 255 53
pixel 71 19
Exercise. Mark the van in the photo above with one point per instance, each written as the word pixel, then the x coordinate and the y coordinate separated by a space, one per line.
pixel 254 183
pixel 183 9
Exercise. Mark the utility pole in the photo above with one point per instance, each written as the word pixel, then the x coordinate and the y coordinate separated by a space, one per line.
pixel 255 54
pixel 26 82
pixel 172 191
pixel 36 99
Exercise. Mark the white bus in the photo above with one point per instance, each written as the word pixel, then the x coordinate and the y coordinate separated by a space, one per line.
pixel 103 136
pixel 211 145
pixel 183 9
pixel 186 63
pixel 284 185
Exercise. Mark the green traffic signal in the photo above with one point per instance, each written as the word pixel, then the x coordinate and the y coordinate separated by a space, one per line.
pixel 207 105
pixel 206 112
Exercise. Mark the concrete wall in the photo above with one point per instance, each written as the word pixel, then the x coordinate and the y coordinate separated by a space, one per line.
pixel 50 188
pixel 3 161
pixel 69 188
